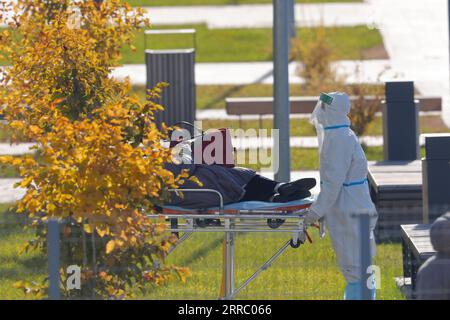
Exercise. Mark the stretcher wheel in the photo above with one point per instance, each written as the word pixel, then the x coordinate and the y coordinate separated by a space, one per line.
pixel 201 223
pixel 296 244
pixel 214 223
pixel 275 223
pixel 174 225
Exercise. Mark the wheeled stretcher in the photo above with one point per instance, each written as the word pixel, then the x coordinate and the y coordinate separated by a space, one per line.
pixel 250 216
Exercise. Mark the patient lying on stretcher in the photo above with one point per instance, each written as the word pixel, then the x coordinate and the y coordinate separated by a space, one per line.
pixel 235 184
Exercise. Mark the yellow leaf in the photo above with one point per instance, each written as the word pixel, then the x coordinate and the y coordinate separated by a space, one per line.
pixel 87 228
pixel 26 182
pixel 51 207
pixel 110 246
pixel 35 130
pixel 101 232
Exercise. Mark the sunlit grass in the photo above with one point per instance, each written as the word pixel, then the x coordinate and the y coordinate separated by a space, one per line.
pixel 248 45
pixel 245 45
pixel 309 272
pixel 13 266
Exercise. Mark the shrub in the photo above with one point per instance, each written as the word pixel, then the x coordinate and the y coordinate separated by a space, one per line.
pixel 101 165
pixel 316 59
pixel 319 75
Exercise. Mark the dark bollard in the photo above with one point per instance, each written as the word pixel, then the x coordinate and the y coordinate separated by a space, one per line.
pixel 53 256
pixel 177 68
pixel 400 122
pixel 436 176
pixel 366 256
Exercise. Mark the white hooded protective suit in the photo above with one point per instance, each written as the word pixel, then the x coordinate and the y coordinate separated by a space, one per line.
pixel 344 187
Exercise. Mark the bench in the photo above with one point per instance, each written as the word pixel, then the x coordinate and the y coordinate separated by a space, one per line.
pixel 416 249
pixel 396 190
pixel 303 105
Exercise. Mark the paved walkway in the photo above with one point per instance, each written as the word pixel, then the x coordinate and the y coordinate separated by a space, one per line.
pixel 262 72
pixel 244 142
pixel 415 34
pixel 261 16
pixel 302 142
pixel 8 193
pixel 15 149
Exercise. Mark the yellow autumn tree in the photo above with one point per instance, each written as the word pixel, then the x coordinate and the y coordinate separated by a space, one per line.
pixel 100 167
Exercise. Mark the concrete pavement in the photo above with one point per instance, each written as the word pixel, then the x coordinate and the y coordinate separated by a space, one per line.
pixel 261 15
pixel 415 34
pixel 15 149
pixel 8 193
pixel 243 73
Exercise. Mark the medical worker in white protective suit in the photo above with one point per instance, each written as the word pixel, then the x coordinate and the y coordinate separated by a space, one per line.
pixel 344 187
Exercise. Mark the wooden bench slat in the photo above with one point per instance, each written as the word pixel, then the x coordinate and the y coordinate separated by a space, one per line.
pixel 264 105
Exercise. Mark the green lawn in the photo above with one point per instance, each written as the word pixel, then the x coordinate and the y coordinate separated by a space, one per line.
pixel 15 267
pixel 309 272
pixel 217 2
pixel 308 159
pixel 8 172
pixel 244 45
pixel 241 45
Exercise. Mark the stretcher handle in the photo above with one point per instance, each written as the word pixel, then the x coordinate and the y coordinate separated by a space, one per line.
pixel 221 210
pixel 188 124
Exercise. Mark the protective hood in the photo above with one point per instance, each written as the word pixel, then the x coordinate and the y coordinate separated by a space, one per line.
pixel 332 114
pixel 329 115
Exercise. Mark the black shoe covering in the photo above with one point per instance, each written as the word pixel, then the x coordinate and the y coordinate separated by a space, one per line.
pixel 295 196
pixel 291 188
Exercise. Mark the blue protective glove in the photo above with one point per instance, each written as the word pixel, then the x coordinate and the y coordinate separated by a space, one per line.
pixel 311 217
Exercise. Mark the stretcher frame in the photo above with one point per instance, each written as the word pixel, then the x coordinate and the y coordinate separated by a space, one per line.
pixel 233 221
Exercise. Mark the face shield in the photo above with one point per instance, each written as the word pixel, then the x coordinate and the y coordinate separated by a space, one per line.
pixel 318 115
